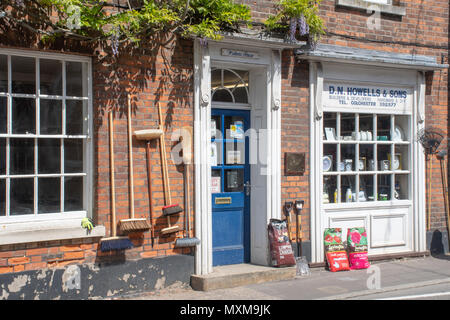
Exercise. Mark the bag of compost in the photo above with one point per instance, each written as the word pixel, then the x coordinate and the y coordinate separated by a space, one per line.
pixel 280 248
pixel 357 248
pixel 335 250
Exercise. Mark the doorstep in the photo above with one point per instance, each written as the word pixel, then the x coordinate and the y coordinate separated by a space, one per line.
pixel 239 275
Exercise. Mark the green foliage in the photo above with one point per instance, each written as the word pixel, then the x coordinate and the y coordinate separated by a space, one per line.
pixel 295 9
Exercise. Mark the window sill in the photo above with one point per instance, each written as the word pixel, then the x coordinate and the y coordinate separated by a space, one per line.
pixel 384 8
pixel 18 233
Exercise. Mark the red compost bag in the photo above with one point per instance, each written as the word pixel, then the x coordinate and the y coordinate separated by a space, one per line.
pixel 357 248
pixel 281 253
pixel 335 250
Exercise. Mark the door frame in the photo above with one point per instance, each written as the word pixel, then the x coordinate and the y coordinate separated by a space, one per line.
pixel 265 114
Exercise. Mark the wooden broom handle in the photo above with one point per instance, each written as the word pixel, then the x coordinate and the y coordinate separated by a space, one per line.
pixel 130 159
pixel 113 187
pixel 163 159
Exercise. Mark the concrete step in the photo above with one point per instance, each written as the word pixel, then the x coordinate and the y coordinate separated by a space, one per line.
pixel 239 275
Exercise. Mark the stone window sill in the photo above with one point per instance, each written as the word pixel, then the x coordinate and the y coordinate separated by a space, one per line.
pixel 384 8
pixel 20 233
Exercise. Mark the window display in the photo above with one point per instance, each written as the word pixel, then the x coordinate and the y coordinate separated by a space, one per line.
pixel 358 165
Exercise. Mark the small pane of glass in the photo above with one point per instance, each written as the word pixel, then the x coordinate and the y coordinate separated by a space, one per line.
pixel 74 79
pixel 234 180
pixel 216 127
pixel 49 192
pixel 22 196
pixel 50 116
pixel 330 158
pixel 366 161
pixel 348 126
pixel 49 156
pixel 234 126
pixel 366 127
pixel 216 181
pixel 366 188
pixel 23 75
pixel 400 161
pixel 23 116
pixel 330 189
pixel 3 73
pixel 2 156
pixel 235 153
pixel 229 85
pixel 2 197
pixel 73 194
pixel 21 156
pixel 329 127
pixel 3 114
pixel 384 128
pixel 347 157
pixel 384 187
pixel 50 77
pixel 76 123
pixel 73 156
pixel 383 152
pixel 401 188
pixel 216 153
pixel 348 184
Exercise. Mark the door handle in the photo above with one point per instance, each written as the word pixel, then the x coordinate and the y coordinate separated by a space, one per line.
pixel 247 187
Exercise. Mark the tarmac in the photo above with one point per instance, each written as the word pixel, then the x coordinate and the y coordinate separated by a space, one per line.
pixel 321 284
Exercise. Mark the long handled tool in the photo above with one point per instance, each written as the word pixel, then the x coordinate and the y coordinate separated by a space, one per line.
pixel 114 242
pixel 288 206
pixel 187 241
pixel 430 170
pixel 301 262
pixel 441 156
pixel 132 224
pixel 148 135
pixel 168 209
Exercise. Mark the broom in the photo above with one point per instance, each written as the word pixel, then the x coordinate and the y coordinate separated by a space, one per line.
pixel 132 224
pixel 169 208
pixel 114 242
pixel 187 241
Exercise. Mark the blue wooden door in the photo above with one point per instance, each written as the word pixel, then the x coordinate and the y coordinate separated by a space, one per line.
pixel 230 186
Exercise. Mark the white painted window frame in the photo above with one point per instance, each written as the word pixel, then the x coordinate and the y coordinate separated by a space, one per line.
pixel 61 225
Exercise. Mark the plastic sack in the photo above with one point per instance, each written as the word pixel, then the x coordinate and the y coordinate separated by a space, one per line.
pixel 335 250
pixel 281 253
pixel 357 248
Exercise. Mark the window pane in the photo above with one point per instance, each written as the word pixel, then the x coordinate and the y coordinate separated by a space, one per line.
pixel 234 180
pixel 75 117
pixel 73 193
pixel 23 116
pixel 330 192
pixel 2 197
pixel 22 156
pixel 23 75
pixel 3 114
pixel 3 73
pixel 73 156
pixel 22 196
pixel 74 79
pixel 2 156
pixel 50 116
pixel 50 77
pixel 49 191
pixel 49 156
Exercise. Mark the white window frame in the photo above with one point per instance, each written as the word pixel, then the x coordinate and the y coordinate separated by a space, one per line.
pixel 61 225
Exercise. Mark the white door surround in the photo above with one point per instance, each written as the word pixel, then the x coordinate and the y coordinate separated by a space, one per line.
pixel 264 65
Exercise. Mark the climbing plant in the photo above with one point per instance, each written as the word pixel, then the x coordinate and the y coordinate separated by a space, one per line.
pixel 297 17
pixel 117 21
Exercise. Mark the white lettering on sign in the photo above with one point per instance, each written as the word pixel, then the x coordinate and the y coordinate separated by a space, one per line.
pixel 360 96
pixel 239 54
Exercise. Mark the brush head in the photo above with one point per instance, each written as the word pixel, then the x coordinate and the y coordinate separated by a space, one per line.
pixel 130 225
pixel 148 134
pixel 172 209
pixel 168 230
pixel 115 243
pixel 186 242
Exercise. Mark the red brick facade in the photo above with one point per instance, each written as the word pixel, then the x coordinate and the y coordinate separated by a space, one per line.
pixel 154 74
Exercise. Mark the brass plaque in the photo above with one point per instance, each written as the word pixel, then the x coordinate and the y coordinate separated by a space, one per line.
pixel 223 200
pixel 294 163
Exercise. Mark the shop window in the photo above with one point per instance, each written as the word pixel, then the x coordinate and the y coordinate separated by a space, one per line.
pixel 365 157
pixel 43 136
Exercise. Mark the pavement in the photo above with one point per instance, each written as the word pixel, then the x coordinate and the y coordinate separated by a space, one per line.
pixel 383 277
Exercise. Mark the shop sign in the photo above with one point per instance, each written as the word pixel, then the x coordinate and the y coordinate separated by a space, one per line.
pixel 367 97
pixel 239 54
